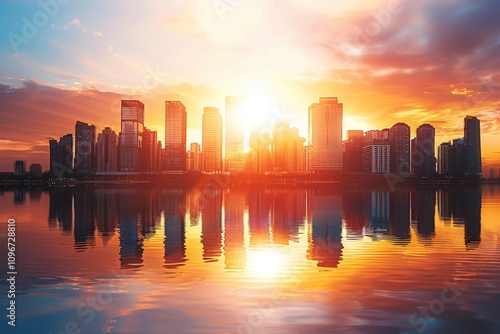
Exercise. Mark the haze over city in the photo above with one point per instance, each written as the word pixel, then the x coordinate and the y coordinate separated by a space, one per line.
pixel 415 62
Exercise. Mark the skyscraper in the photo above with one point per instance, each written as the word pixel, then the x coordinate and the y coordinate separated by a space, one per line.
pixel 61 155
pixel 175 136
pixel 399 141
pixel 234 158
pixel 288 149
pixel 472 136
pixel 353 153
pixel 194 157
pixel 107 151
pixel 376 152
pixel 443 162
pixel 150 154
pixel 84 148
pixel 211 140
pixel 132 127
pixel 19 167
pixel 325 135
pixel 423 151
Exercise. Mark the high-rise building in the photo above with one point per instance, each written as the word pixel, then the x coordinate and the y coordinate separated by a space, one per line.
pixel 19 167
pixel 36 169
pixel 288 150
pixel 175 136
pixel 472 136
pixel 150 154
pixel 325 135
pixel 107 151
pixel 443 162
pixel 61 155
pixel 423 151
pixel 84 148
pixel 194 158
pixel 353 151
pixel 132 127
pixel 457 163
pixel 399 141
pixel 376 156
pixel 234 155
pixel 211 140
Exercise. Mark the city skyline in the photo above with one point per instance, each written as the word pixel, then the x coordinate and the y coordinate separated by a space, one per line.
pixel 390 150
pixel 78 64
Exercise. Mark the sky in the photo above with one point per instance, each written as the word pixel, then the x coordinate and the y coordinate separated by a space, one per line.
pixel 387 61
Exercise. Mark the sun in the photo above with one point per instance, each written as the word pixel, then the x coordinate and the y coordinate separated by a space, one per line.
pixel 265 262
pixel 259 107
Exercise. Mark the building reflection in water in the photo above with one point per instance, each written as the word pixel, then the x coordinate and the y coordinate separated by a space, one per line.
pixel 275 216
pixel 211 220
pixel 463 207
pixel 325 234
pixel 130 222
pixel 106 213
pixel 61 209
pixel 259 212
pixel 84 231
pixel 234 231
pixel 473 217
pixel 287 215
pixel 376 209
pixel 19 196
pixel 423 204
pixel 35 195
pixel 399 218
pixel 353 214
pixel 173 201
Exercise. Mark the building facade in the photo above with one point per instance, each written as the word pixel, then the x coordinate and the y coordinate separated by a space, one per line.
pixel 212 140
pixel 472 137
pixel 234 155
pixel 132 127
pixel 85 135
pixel 423 151
pixel 399 141
pixel 107 151
pixel 325 135
pixel 175 136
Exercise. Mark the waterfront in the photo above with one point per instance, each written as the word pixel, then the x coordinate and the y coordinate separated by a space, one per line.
pixel 255 260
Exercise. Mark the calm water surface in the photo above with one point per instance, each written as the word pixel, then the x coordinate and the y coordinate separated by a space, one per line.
pixel 253 260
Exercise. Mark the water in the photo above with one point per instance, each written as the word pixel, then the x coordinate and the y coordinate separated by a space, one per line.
pixel 253 260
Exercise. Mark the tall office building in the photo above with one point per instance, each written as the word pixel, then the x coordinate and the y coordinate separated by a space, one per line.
pixel 288 149
pixel 132 127
pixel 211 140
pixel 175 136
pixel 234 155
pixel 376 156
pixel 61 155
pixel 194 157
pixel 19 167
pixel 443 161
pixel 399 141
pixel 457 157
pixel 84 148
pixel 423 151
pixel 150 153
pixel 472 136
pixel 353 151
pixel 36 169
pixel 325 135
pixel 107 151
